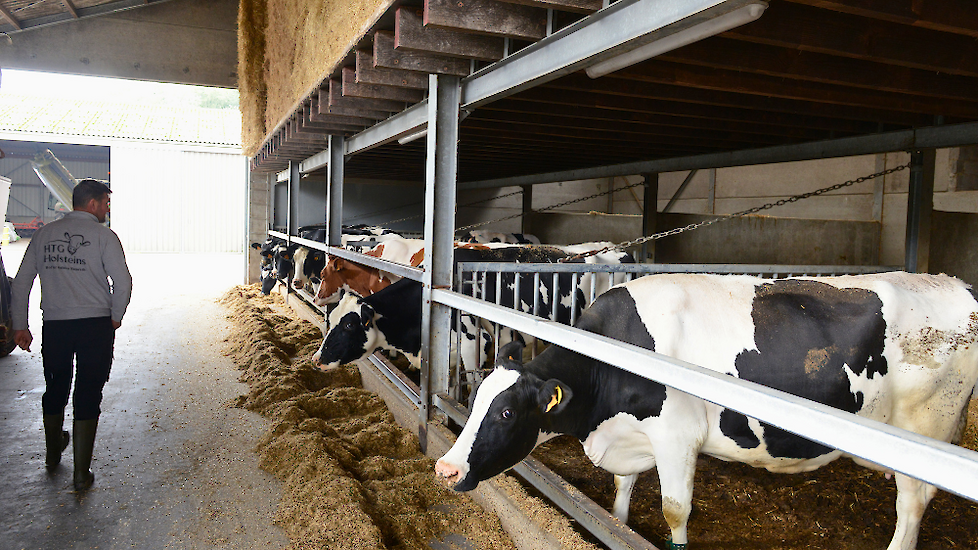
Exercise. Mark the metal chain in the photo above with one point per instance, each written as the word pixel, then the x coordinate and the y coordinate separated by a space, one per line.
pixel 490 199
pixel 749 211
pixel 551 207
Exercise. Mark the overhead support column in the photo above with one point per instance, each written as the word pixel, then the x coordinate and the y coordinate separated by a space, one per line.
pixel 439 227
pixel 920 206
pixel 649 215
pixel 334 191
pixel 525 222
pixel 292 222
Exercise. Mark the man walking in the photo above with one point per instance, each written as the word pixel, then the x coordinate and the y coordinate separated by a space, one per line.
pixel 85 289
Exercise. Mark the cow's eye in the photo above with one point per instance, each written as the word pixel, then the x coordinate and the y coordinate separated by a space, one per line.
pixel 349 325
pixel 507 414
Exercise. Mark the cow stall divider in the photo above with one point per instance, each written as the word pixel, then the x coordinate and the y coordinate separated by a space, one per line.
pixel 946 466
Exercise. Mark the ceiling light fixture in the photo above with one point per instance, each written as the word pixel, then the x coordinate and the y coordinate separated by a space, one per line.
pixel 711 27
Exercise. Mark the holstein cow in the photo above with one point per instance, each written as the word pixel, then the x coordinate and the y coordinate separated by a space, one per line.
pixel 355 329
pixel 340 274
pixel 894 347
pixel 388 320
pixel 482 236
pixel 309 263
pixel 267 251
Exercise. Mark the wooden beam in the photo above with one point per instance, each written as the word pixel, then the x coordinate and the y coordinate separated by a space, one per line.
pixel 954 16
pixel 663 90
pixel 387 57
pixel 307 123
pixel 316 116
pixel 10 17
pixel 576 6
pixel 336 98
pixel 630 132
pixel 351 88
pixel 368 74
pixel 324 109
pixel 71 8
pixel 544 99
pixel 663 72
pixel 633 118
pixel 487 17
pixel 792 64
pixel 811 29
pixel 411 34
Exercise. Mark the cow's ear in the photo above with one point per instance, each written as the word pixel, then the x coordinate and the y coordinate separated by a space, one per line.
pixel 554 396
pixel 256 246
pixel 512 351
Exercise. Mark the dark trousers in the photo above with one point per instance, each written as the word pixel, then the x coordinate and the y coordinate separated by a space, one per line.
pixel 88 344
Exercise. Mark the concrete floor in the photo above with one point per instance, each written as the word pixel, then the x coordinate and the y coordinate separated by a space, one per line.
pixel 175 466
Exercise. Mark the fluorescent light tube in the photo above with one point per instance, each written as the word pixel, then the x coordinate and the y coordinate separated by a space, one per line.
pixel 717 25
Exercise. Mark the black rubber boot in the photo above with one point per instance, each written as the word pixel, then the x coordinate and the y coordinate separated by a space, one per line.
pixel 84 443
pixel 56 439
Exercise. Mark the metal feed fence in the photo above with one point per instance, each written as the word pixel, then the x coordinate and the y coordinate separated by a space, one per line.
pixel 502 283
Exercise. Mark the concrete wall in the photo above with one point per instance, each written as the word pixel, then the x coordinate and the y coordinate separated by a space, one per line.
pixel 730 190
pixel 954 245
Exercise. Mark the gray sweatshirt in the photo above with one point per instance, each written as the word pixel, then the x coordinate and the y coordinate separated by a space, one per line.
pixel 74 256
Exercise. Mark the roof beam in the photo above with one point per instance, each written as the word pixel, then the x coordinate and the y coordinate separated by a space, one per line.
pixel 576 6
pixel 955 16
pixel 790 63
pixel 954 135
pixel 387 57
pixel 609 32
pixel 71 8
pixel 811 29
pixel 411 34
pixel 10 18
pixel 487 17
pixel 352 88
pixel 368 74
pixel 663 72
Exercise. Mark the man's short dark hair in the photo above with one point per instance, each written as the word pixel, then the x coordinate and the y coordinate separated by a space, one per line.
pixel 86 190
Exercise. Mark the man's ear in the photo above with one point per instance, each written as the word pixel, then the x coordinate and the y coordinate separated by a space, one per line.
pixel 554 396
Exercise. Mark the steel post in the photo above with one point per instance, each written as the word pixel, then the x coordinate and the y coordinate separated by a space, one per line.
pixel 334 191
pixel 920 205
pixel 649 214
pixel 440 191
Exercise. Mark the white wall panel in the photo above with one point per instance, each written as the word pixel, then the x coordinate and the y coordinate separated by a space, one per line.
pixel 167 199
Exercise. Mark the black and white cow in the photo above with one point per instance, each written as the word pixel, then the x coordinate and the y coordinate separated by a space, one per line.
pixel 267 252
pixel 895 347
pixel 388 320
pixel 309 262
pixel 483 236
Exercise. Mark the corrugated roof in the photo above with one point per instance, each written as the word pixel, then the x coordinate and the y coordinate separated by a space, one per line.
pixel 107 119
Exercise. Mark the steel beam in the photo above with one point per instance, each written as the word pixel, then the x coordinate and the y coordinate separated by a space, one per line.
pixel 440 174
pixel 935 137
pixel 920 206
pixel 334 191
pixel 623 26
pixel 405 123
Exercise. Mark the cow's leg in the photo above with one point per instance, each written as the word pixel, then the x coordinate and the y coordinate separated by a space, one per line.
pixel 676 467
pixel 913 496
pixel 624 485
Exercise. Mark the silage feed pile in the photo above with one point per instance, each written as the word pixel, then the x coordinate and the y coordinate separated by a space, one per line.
pixel 354 479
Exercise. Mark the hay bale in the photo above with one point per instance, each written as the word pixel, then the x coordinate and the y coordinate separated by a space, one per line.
pixel 286 49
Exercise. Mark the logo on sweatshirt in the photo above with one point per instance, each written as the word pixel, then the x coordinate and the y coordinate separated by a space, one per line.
pixel 55 250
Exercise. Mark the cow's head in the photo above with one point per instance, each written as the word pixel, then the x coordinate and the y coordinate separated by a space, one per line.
pixel 506 421
pixel 351 333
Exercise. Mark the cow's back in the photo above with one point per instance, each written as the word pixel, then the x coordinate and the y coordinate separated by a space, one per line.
pixel 895 347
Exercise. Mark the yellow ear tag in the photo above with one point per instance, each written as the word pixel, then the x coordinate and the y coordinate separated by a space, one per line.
pixel 555 399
